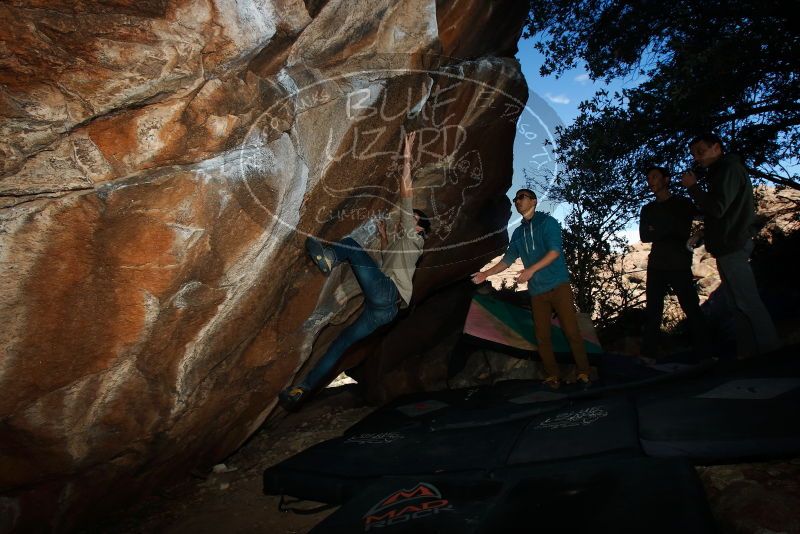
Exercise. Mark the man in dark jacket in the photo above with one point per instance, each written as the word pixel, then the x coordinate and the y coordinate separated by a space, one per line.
pixel 667 224
pixel 729 209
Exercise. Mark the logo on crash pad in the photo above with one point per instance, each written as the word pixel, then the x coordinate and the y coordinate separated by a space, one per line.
pixel 374 438
pixel 423 500
pixel 583 417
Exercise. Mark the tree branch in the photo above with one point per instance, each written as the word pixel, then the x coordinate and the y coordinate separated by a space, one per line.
pixel 786 182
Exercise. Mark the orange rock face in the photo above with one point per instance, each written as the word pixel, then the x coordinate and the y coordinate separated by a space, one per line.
pixel 161 163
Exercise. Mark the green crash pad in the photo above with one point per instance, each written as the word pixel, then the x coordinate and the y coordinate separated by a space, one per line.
pixel 504 323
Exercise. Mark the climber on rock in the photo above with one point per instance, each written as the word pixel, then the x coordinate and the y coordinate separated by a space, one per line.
pixel 386 287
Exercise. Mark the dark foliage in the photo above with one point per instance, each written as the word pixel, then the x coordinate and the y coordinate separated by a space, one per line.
pixel 728 67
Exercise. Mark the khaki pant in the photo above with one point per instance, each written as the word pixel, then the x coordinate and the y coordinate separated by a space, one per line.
pixel 559 300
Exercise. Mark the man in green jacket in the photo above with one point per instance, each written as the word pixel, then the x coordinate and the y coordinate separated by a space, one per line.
pixel 729 209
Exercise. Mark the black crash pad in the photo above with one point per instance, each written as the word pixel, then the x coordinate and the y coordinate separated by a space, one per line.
pixel 588 428
pixel 488 430
pixel 744 410
pixel 479 406
pixel 631 495
pixel 334 470
pixel 517 399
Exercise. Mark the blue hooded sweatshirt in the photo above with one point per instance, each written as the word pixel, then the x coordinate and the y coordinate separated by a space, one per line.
pixel 531 241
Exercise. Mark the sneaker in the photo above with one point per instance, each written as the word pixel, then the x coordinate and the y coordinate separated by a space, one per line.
pixel 291 396
pixel 322 256
pixel 553 382
pixel 583 380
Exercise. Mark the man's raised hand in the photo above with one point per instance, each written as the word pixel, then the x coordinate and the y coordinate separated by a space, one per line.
pixel 405 180
pixel 409 143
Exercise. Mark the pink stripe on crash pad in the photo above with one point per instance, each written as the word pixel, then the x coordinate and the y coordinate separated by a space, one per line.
pixel 484 325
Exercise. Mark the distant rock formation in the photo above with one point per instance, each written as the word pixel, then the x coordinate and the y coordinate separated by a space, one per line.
pixel 161 162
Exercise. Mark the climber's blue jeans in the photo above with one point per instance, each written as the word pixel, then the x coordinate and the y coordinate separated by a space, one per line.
pixel 380 307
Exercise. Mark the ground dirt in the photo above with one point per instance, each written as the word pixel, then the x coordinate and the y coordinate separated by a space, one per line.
pixel 231 501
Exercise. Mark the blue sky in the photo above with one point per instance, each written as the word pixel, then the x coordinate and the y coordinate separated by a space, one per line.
pixel 562 95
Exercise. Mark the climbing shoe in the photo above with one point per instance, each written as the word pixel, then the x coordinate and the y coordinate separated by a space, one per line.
pixel 290 397
pixel 553 382
pixel 583 380
pixel 322 256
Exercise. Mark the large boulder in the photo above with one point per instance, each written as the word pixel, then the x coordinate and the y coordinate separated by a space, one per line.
pixel 161 162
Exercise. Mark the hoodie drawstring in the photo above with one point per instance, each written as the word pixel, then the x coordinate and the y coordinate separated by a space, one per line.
pixel 528 238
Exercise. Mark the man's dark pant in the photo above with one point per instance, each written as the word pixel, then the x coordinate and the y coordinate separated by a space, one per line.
pixel 380 307
pixel 755 331
pixel 682 283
